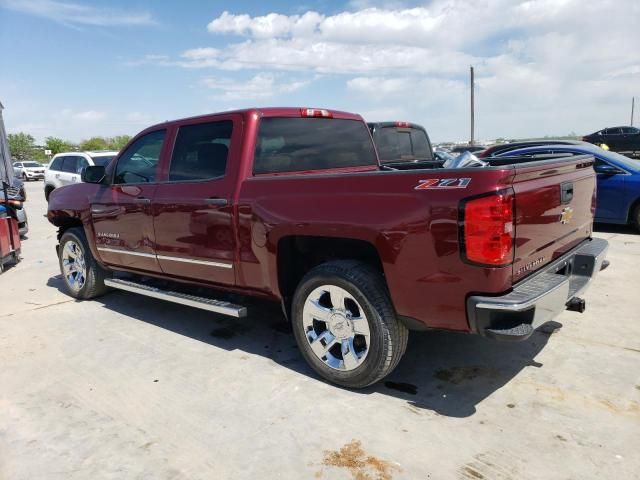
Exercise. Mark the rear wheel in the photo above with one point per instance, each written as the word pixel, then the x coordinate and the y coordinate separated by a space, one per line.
pixel 345 325
pixel 82 276
pixel 24 177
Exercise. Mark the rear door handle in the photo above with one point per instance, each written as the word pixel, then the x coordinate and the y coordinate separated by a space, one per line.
pixel 221 202
pixel 141 200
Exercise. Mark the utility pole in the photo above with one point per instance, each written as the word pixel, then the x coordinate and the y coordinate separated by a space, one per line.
pixel 473 113
pixel 633 104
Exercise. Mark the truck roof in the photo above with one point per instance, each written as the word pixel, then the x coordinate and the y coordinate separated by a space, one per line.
pixel 262 112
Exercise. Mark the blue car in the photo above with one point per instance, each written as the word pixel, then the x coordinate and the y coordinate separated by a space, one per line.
pixel 618 180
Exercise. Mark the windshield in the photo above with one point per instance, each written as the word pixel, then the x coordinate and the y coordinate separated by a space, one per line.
pixel 31 164
pixel 444 156
pixel 623 161
pixel 102 161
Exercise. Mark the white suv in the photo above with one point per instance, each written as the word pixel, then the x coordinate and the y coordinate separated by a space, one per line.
pixel 65 168
pixel 28 170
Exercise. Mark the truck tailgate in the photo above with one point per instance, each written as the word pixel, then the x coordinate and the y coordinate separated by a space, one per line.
pixel 555 204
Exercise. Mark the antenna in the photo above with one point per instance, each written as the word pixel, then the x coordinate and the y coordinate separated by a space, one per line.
pixel 473 113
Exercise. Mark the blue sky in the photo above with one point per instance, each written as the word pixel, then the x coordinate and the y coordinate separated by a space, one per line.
pixel 76 69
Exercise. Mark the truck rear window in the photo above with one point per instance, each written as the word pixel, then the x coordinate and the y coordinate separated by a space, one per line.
pixel 398 144
pixel 299 144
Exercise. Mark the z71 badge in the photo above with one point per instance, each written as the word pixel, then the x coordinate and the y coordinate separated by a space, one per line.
pixel 442 183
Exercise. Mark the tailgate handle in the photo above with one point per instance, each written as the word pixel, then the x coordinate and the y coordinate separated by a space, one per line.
pixel 566 192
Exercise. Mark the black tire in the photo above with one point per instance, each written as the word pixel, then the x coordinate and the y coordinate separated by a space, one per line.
pixel 24 177
pixel 388 337
pixel 635 218
pixel 47 192
pixel 94 276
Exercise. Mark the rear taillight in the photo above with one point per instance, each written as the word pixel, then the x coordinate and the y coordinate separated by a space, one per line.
pixel 315 112
pixel 487 233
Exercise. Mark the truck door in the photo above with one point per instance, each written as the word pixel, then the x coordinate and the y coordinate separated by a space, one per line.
pixel 121 212
pixel 193 215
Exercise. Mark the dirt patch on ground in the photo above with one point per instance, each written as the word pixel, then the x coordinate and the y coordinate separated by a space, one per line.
pixel 361 465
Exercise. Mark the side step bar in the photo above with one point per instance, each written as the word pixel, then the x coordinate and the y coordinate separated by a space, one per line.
pixel 217 306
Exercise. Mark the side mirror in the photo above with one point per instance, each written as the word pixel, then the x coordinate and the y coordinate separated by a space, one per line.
pixel 93 174
pixel 606 169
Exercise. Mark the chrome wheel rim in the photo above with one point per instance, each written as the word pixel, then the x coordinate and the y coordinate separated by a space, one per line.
pixel 74 268
pixel 336 328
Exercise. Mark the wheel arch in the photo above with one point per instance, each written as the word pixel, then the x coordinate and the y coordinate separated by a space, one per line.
pixel 297 254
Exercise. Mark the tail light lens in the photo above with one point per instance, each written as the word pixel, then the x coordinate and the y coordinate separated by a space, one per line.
pixel 487 229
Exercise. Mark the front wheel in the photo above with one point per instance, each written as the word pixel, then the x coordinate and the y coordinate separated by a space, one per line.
pixel 345 324
pixel 82 276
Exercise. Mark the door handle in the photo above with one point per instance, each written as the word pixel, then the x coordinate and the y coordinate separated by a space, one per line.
pixel 220 202
pixel 141 200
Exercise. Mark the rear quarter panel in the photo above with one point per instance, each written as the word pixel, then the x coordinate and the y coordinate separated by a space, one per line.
pixel 414 231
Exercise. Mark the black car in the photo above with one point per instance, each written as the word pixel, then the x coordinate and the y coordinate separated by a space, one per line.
pixel 495 150
pixel 401 142
pixel 618 139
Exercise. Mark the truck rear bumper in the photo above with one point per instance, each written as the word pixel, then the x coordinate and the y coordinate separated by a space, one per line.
pixel 539 298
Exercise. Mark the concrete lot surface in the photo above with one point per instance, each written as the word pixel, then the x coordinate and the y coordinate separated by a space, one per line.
pixel 127 387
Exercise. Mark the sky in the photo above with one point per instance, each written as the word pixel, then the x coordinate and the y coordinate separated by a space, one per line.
pixel 76 69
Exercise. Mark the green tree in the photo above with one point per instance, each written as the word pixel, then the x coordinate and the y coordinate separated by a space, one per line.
pixel 119 141
pixel 94 143
pixel 21 145
pixel 57 145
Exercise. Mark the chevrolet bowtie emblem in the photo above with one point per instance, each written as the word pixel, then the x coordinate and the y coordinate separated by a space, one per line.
pixel 566 215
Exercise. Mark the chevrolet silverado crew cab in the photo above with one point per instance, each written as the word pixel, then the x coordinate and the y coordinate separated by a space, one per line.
pixel 292 205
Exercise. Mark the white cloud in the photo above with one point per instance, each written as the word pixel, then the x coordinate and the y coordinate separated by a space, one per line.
pixel 75 14
pixel 89 116
pixel 261 86
pixel 542 66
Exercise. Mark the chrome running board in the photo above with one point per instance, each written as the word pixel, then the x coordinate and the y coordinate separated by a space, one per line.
pixel 217 306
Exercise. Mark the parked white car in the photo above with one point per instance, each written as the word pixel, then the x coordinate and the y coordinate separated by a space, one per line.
pixel 65 168
pixel 28 170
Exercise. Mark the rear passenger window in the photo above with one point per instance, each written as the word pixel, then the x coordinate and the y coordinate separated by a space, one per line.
pixel 299 144
pixel 201 151
pixel 139 162
pixel 56 164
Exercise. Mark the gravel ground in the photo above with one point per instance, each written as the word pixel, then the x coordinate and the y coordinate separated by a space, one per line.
pixel 126 387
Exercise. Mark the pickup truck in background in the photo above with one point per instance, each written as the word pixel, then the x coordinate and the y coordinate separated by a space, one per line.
pixel 292 205
pixel 400 142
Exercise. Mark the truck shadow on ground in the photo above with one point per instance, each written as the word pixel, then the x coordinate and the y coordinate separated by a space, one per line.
pixel 448 373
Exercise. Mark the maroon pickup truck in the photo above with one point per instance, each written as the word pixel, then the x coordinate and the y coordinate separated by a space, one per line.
pixel 292 205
